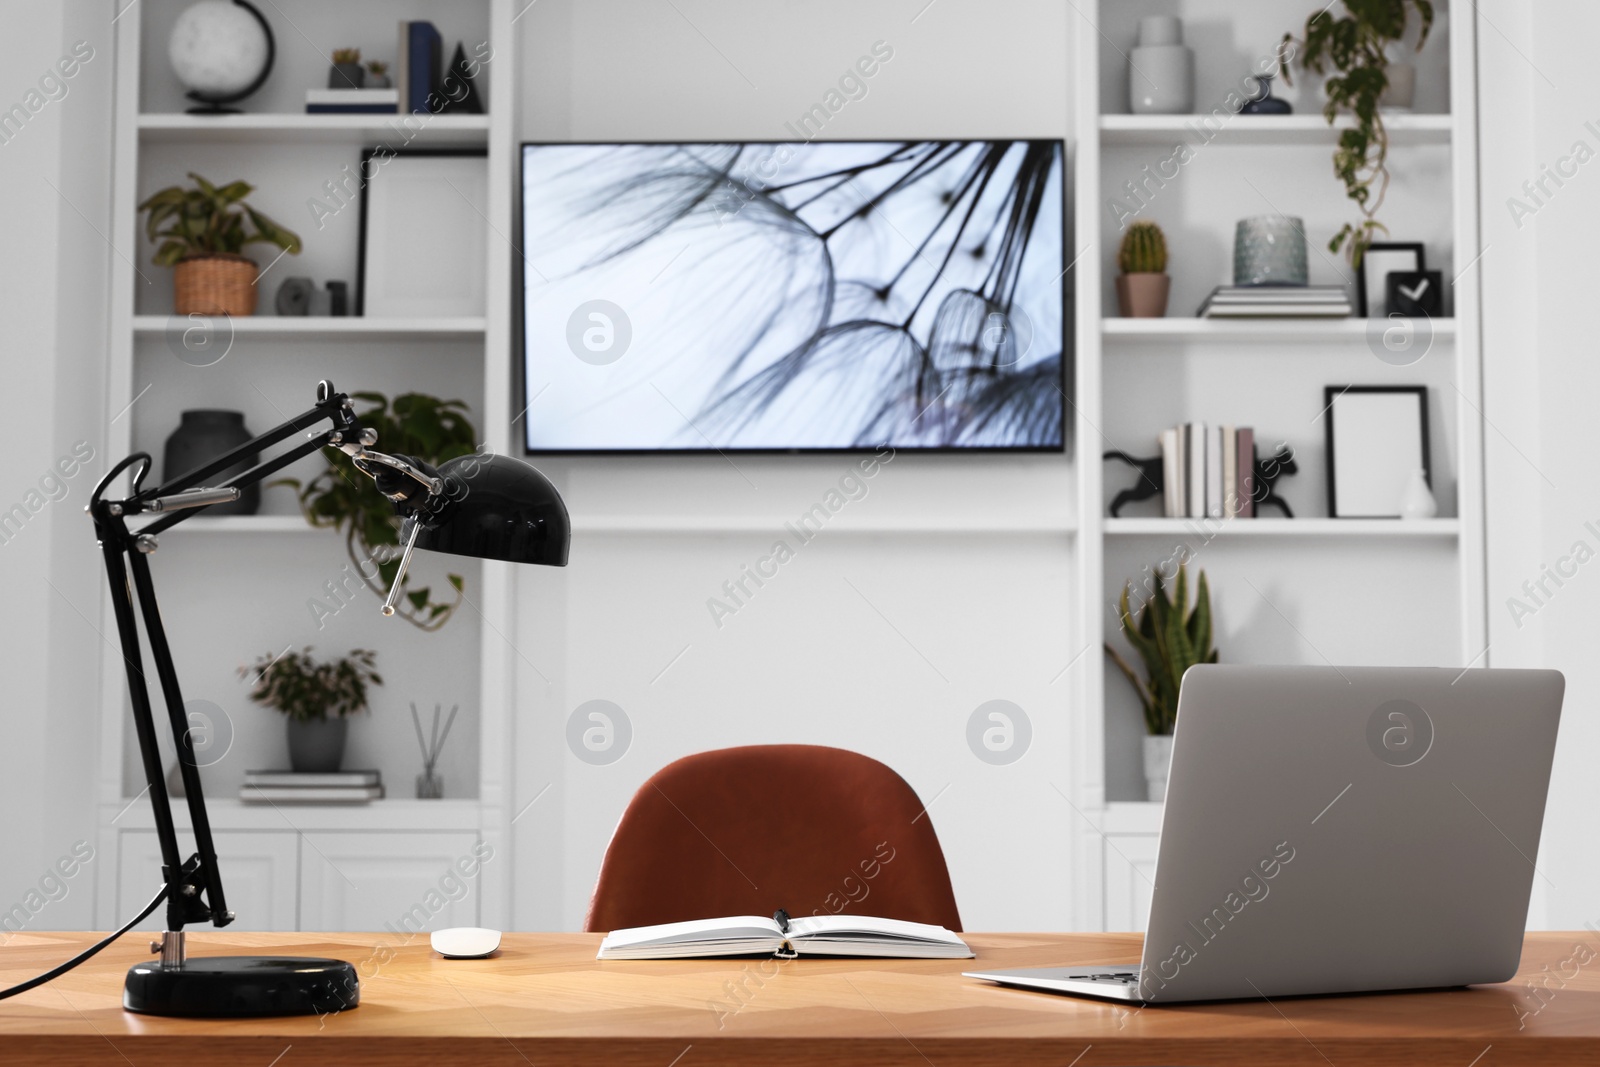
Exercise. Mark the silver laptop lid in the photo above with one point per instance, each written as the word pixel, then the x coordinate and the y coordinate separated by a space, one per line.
pixel 1343 829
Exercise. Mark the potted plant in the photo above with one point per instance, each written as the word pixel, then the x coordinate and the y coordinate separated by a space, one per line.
pixel 378 75
pixel 417 425
pixel 1354 49
pixel 1170 638
pixel 1143 285
pixel 346 72
pixel 201 233
pixel 317 698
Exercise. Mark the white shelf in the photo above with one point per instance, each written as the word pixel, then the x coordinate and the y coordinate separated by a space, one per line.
pixel 247 524
pixel 433 131
pixel 737 524
pixel 1209 528
pixel 230 813
pixel 1262 129
pixel 322 327
pixel 1182 329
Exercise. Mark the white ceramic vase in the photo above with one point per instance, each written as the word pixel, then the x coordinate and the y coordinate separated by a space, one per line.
pixel 1161 69
pixel 1157 765
pixel 1417 501
pixel 1402 90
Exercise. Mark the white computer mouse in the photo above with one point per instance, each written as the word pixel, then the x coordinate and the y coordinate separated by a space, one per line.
pixel 465 942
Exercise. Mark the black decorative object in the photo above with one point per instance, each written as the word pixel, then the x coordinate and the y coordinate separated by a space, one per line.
pixel 1268 471
pixel 535 529
pixel 1152 480
pixel 1378 261
pixel 201 437
pixel 1415 293
pixel 459 87
pixel 213 103
pixel 1263 102
pixel 338 299
pixel 294 296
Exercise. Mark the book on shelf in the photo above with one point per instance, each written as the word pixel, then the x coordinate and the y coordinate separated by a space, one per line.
pixel 421 48
pixel 816 935
pixel 352 101
pixel 1195 449
pixel 300 794
pixel 1276 302
pixel 307 787
pixel 324 779
pixel 1171 463
pixel 1208 472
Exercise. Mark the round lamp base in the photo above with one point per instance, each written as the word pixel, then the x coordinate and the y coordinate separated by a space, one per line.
pixel 239 986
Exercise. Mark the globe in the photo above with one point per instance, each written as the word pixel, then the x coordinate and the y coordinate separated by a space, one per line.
pixel 218 49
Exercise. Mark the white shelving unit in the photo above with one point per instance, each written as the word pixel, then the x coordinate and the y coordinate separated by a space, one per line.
pixel 1314 574
pixel 288 863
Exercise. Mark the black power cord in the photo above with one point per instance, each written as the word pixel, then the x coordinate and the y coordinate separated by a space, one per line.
pixel 57 972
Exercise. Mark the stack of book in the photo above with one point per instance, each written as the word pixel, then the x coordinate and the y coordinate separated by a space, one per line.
pixel 418 72
pixel 1276 302
pixel 352 101
pixel 304 787
pixel 1208 472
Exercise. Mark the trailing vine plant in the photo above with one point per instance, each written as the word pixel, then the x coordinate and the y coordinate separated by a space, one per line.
pixel 1353 47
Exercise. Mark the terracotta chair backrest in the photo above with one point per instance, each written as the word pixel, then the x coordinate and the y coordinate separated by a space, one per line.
pixel 746 831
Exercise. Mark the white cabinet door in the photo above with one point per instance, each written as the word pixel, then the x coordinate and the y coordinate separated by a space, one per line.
pixel 260 877
pixel 403 882
pixel 1130 866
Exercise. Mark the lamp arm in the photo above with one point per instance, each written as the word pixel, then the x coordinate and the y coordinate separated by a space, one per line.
pixel 194 887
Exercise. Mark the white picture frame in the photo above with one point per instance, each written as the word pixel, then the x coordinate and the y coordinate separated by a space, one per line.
pixel 1377 438
pixel 422 248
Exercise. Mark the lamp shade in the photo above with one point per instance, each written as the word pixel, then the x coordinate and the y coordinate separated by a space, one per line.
pixel 496 507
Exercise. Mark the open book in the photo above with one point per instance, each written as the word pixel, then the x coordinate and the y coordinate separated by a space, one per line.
pixel 753 935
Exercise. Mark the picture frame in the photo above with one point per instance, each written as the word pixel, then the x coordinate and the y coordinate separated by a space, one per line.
pixel 422 209
pixel 1379 259
pixel 1377 436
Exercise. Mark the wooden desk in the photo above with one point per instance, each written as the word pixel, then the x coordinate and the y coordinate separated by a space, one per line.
pixel 545 1000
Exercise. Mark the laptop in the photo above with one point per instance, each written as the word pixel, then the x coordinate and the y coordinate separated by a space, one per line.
pixel 1339 830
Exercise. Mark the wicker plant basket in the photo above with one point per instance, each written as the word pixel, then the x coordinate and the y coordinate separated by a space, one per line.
pixel 220 284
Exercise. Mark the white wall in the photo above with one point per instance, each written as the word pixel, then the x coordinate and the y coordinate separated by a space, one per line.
pixel 54 183
pixel 1538 88
pixel 980 616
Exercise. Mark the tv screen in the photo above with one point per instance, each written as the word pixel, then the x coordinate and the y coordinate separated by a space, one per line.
pixel 818 296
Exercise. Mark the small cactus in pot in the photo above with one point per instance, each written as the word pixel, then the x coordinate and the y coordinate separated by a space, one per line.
pixel 1143 285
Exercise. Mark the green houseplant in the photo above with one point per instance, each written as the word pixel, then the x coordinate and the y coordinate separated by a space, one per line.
pixel 413 424
pixel 316 697
pixel 1353 50
pixel 201 232
pixel 1170 638
pixel 1143 284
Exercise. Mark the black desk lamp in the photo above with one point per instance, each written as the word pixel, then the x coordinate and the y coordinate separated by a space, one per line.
pixel 488 507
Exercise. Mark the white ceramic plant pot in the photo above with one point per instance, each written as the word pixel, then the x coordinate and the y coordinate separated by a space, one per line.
pixel 1157 765
pixel 1402 90
pixel 1161 69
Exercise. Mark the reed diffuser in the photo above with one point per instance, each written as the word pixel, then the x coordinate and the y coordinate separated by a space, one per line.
pixel 429 785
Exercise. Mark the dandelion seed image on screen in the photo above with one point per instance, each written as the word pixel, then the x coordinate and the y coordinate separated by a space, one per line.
pixel 794 297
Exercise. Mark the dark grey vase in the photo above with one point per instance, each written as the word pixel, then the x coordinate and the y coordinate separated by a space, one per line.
pixel 202 436
pixel 316 745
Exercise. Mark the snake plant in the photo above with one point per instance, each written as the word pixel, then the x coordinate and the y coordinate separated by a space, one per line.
pixel 1170 638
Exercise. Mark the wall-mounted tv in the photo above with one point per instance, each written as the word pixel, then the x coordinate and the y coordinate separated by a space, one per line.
pixel 793 297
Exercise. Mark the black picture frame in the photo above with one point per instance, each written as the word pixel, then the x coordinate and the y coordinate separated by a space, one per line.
pixel 1330 395
pixel 521 402
pixel 365 173
pixel 1363 304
